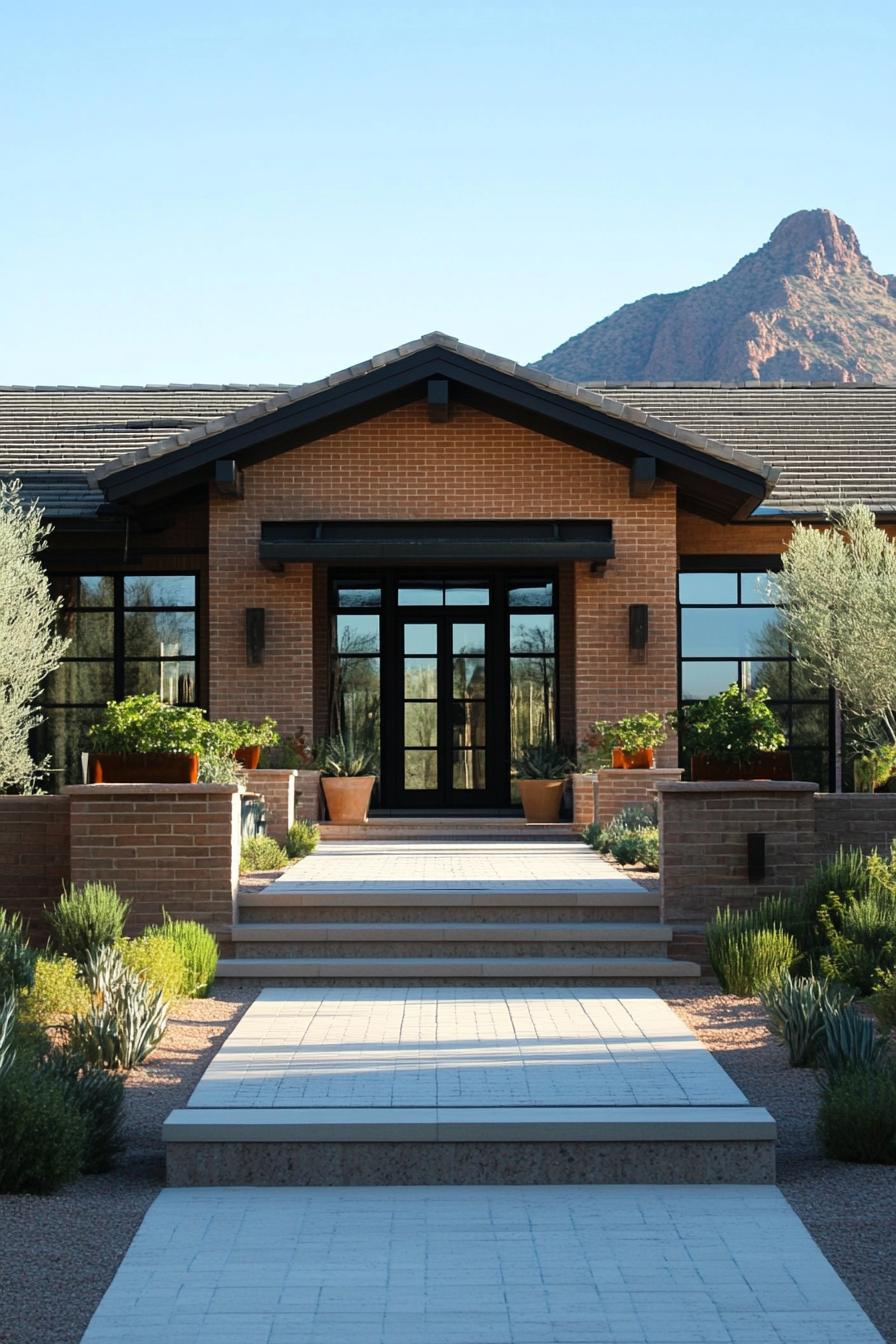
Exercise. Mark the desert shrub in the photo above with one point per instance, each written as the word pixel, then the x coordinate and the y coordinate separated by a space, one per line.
pixel 126 1019
pixel 641 846
pixel 857 1116
pixel 850 1041
pixel 16 957
pixel 883 1000
pixel 746 957
pixel 86 918
pixel 99 1097
pixel 199 951
pixel 595 836
pixel 796 1010
pixel 44 1136
pixel 261 853
pixel 57 992
pixel 861 937
pixel 157 959
pixel 7 1033
pixel 302 838
pixel 844 873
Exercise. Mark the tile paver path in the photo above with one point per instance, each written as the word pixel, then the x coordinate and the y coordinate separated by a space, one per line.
pixel 457 1046
pixel 477 1265
pixel 380 865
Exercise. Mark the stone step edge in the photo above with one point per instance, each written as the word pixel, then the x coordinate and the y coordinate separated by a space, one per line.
pixel 616 968
pixel 428 897
pixel 420 931
pixel 511 1124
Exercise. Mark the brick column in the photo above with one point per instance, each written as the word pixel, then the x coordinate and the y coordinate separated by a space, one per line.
pixel 583 799
pixel 278 787
pixel 615 789
pixel 703 842
pixel 308 795
pixel 175 846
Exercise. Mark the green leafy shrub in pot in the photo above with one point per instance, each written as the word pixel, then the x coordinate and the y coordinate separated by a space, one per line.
pixel 16 957
pixel 861 937
pixel 199 951
pixel 44 1136
pixel 57 992
pixel 157 959
pixel 734 727
pixel 302 838
pixel 857 1116
pixel 142 724
pixel 261 854
pixel 850 1041
pixel 87 918
pixel 746 957
pixel 796 1010
pixel 631 735
pixel 99 1097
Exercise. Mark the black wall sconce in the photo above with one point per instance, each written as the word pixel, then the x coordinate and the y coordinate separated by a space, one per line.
pixel 756 856
pixel 637 627
pixel 254 636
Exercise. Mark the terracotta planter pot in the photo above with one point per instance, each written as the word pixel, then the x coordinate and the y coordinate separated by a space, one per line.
pixel 348 797
pixel 143 767
pixel 777 765
pixel 541 798
pixel 633 760
pixel 248 757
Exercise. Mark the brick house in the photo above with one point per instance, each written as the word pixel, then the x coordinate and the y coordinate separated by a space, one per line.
pixel 438 552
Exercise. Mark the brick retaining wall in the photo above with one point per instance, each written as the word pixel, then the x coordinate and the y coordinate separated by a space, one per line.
pixel 616 789
pixel 278 788
pixel 34 856
pixel 163 845
pixel 864 820
pixel 308 795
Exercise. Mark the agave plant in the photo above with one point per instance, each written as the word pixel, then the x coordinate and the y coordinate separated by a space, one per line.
pixel 796 1010
pixel 851 1041
pixel 127 1018
pixel 336 757
pixel 7 1027
pixel 541 760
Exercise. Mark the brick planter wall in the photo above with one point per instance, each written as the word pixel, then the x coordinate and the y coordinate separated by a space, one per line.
pixel 175 846
pixel 583 800
pixel 34 857
pixel 864 820
pixel 703 843
pixel 278 788
pixel 616 789
pixel 308 795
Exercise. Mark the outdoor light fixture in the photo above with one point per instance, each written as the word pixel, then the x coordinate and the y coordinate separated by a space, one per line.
pixel 254 636
pixel 637 627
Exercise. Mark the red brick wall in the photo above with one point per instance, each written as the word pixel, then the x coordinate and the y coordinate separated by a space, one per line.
pixel 278 788
pixel 621 788
pixel 34 857
pixel 162 845
pixel 400 465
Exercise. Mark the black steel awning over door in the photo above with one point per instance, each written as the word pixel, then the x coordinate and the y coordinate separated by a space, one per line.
pixel 364 542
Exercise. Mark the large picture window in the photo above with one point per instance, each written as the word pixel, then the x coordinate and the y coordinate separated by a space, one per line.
pixel 729 633
pixel 130 634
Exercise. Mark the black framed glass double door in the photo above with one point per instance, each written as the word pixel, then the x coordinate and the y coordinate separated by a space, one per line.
pixel 447 678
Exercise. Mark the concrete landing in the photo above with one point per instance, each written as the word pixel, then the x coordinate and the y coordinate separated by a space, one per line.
pixel 524 1265
pixel 399 1085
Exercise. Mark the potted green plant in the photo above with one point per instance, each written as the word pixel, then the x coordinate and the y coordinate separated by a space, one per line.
pixel 143 740
pixel 251 737
pixel 734 735
pixel 630 741
pixel 347 780
pixel 540 771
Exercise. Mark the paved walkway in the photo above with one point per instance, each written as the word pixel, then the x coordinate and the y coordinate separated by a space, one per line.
pixel 477 1265
pixel 488 1047
pixel 383 865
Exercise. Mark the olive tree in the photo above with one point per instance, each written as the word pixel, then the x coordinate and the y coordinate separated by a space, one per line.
pixel 30 645
pixel 836 595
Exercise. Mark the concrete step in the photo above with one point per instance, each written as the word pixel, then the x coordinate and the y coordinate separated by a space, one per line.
pixel 637 970
pixel 450 828
pixel 450 938
pixel 628 1145
pixel 295 902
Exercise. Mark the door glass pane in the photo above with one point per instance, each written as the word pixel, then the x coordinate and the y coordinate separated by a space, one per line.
pixel 420 723
pixel 164 590
pixel 533 700
pixel 468 723
pixel 420 595
pixel 810 726
pixel 170 634
pixel 467 637
pixel 700 680
pixel 86 590
pixel 420 770
pixel 173 680
pixel 730 632
pixel 355 711
pixel 531 634
pixel 531 595
pixel 421 639
pixel 466 595
pixel 358 634
pixel 706 588
pixel 352 596
pixel 468 770
pixel 756 587
pixel 81 683
pixel 89 633
pixel 420 679
pixel 774 675
pixel 469 677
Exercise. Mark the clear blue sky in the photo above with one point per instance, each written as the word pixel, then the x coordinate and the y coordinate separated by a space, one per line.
pixel 204 190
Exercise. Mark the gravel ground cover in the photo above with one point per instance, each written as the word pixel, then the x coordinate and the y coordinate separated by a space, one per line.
pixel 849 1208
pixel 58 1253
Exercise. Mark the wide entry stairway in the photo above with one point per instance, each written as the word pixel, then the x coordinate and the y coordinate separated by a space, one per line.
pixel 501 906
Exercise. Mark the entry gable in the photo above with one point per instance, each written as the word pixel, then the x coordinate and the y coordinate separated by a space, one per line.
pixel 712 479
